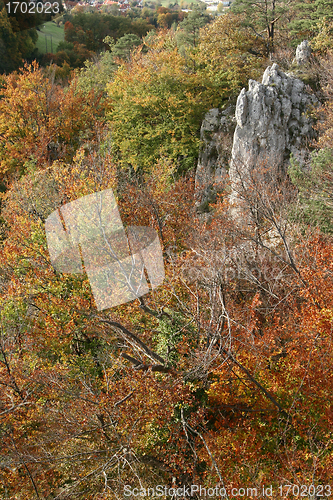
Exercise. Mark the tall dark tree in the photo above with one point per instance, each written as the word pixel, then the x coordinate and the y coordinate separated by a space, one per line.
pixel 265 17
pixel 17 40
pixel 190 27
pixel 124 45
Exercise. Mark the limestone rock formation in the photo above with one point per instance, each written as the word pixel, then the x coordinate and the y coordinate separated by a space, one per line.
pixel 303 53
pixel 272 123
pixel 216 143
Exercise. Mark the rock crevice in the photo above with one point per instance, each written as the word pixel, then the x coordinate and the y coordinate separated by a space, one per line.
pixel 216 143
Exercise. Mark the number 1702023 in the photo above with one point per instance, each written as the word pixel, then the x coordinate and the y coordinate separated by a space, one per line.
pixel 311 491
pixel 33 7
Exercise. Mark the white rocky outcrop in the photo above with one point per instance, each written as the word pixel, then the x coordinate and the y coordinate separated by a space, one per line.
pixel 303 53
pixel 272 122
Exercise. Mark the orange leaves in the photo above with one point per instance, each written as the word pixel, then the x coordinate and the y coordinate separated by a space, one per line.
pixel 257 318
pixel 248 341
pixel 317 270
pixel 40 121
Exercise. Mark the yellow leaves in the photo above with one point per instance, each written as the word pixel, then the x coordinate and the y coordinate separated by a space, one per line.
pixel 38 117
pixel 326 314
pixel 223 54
pixel 323 41
pixel 323 322
pixel 161 176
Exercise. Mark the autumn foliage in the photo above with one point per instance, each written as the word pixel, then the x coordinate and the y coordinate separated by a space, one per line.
pixel 222 375
pixel 41 121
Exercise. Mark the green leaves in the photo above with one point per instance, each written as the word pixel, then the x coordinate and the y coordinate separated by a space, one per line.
pixel 308 16
pixel 315 186
pixel 155 110
pixel 158 98
pixel 124 46
pixel 265 19
pixel 15 44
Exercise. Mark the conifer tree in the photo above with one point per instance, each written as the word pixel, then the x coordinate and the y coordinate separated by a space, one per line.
pixel 264 17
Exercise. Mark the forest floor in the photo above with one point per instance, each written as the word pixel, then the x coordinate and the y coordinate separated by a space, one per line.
pixel 49 36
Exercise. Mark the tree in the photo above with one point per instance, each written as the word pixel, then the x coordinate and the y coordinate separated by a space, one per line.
pixel 158 100
pixel 23 20
pixel 188 31
pixel 91 29
pixel 314 180
pixel 323 41
pixel 224 367
pixel 41 121
pixel 124 45
pixel 190 27
pixel 264 18
pixel 15 45
pixel 96 74
pixel 222 376
pixel 252 279
pixel 96 378
pixel 227 56
pixel 315 204
pixel 309 17
pixel 156 110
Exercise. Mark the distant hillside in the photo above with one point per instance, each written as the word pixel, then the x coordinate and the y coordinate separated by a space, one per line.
pixel 49 36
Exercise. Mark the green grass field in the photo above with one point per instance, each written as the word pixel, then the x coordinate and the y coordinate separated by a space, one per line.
pixel 49 32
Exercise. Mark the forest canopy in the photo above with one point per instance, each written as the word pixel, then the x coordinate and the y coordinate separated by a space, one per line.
pixel 220 377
